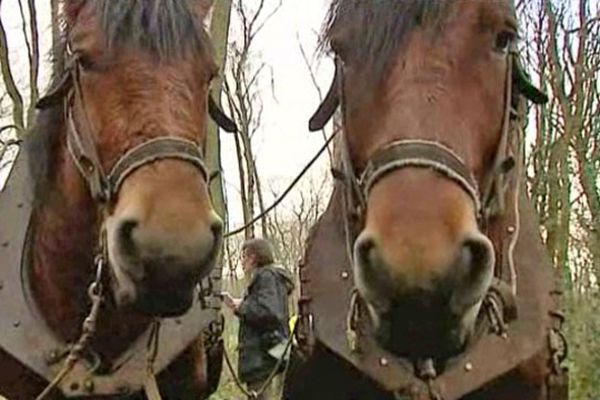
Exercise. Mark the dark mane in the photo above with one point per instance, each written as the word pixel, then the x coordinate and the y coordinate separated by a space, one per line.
pixel 372 32
pixel 44 137
pixel 167 28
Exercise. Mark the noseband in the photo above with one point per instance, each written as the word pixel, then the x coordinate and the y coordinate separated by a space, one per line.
pixel 82 147
pixel 419 154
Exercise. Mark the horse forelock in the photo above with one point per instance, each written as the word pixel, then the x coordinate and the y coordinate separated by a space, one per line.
pixel 167 28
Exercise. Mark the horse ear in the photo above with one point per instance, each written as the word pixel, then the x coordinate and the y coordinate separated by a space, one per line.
pixel 220 117
pixel 526 88
pixel 327 107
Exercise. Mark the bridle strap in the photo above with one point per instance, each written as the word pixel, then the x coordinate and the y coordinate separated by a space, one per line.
pixel 494 185
pixel 154 150
pixel 420 154
pixel 80 140
pixel 82 147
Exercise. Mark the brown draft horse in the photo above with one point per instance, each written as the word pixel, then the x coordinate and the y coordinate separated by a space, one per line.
pixel 143 70
pixel 425 90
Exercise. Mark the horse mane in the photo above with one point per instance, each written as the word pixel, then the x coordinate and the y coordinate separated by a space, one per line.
pixel 372 32
pixel 42 142
pixel 165 28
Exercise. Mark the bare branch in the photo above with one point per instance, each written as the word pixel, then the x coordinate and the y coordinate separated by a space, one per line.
pixel 9 82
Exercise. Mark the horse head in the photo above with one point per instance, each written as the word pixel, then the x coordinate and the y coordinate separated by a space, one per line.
pixel 135 91
pixel 425 90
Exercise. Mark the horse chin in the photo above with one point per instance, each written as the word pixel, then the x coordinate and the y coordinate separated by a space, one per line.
pixel 435 336
pixel 157 298
pixel 163 306
pixel 153 301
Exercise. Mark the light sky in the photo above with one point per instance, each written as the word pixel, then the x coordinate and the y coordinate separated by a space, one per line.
pixel 283 144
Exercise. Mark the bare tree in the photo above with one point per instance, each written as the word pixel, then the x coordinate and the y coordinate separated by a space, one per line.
pixel 22 117
pixel 9 81
pixel 244 101
pixel 31 36
pixel 326 131
pixel 564 53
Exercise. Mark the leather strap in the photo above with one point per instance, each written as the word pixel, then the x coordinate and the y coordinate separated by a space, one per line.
pixel 154 150
pixel 420 154
pixel 151 387
pixel 82 146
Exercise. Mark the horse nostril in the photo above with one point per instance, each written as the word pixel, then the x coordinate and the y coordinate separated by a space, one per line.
pixel 477 253
pixel 216 227
pixel 365 246
pixel 125 234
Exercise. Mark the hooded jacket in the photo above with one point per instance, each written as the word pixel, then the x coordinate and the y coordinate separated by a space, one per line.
pixel 263 315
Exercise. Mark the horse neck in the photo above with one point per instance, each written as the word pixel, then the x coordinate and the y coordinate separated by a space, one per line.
pixel 63 261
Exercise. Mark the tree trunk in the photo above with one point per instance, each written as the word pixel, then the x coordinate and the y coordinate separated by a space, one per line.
pixel 34 62
pixel 9 83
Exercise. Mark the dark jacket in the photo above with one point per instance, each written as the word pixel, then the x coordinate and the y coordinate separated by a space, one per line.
pixel 264 316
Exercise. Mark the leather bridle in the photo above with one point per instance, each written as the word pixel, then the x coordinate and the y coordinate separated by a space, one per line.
pixel 103 185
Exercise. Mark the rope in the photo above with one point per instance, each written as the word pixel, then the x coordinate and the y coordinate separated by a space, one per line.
pixel 515 235
pixel 285 192
pixel 255 394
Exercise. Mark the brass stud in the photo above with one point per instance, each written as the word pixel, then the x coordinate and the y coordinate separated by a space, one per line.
pixel 383 362
pixel 88 385
pixel 511 229
pixel 345 275
pixel 468 367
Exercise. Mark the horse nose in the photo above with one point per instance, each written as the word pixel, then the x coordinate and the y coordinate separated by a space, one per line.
pixel 365 249
pixel 216 227
pixel 476 253
pixel 463 278
pixel 149 251
pixel 125 234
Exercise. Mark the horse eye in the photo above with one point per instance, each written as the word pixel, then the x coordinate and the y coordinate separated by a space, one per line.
pixel 503 41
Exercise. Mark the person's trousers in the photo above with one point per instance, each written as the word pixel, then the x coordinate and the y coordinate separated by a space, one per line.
pixel 271 392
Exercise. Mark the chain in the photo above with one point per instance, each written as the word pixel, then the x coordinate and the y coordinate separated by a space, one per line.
pixel 214 331
pixel 495 314
pixel 150 384
pixel 88 329
pixel 557 343
pixel 426 371
pixel 352 322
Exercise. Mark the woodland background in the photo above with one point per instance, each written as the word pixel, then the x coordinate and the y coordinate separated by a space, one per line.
pixel 561 48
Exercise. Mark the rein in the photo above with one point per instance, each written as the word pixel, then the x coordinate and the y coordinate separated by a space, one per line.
pixel 286 191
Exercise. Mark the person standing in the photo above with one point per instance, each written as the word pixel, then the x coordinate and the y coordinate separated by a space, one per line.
pixel 263 314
